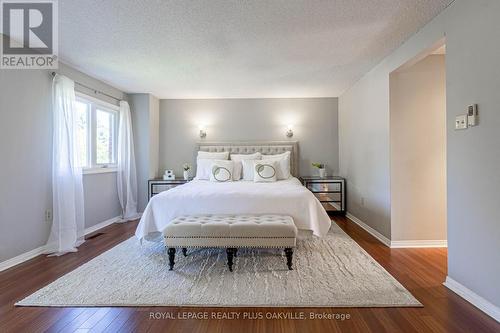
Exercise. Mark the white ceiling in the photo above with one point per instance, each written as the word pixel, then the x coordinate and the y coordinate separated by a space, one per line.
pixel 233 49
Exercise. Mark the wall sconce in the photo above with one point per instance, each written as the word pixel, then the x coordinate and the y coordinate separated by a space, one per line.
pixel 289 131
pixel 203 132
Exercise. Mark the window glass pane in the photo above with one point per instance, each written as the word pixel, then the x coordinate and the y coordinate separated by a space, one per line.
pixel 82 133
pixel 105 137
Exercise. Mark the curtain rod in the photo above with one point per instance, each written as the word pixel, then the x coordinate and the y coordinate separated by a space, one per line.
pixel 94 90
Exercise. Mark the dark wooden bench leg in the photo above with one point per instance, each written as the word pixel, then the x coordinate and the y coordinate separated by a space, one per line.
pixel 289 257
pixel 184 252
pixel 171 257
pixel 230 254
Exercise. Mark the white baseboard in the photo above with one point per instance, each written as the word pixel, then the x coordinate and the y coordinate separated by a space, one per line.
pixel 386 241
pixel 479 302
pixel 40 250
pixel 418 243
pixel 101 225
pixel 397 244
pixel 21 258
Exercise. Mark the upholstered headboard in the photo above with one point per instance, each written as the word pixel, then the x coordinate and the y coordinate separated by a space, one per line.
pixel 264 147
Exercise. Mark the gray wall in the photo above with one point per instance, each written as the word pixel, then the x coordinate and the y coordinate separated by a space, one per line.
pixel 26 167
pixel 26 150
pixel 154 137
pixel 145 114
pixel 473 156
pixel 473 76
pixel 418 150
pixel 364 151
pixel 101 198
pixel 314 123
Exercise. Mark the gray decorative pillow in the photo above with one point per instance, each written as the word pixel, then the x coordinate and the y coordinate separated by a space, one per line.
pixel 222 171
pixel 265 171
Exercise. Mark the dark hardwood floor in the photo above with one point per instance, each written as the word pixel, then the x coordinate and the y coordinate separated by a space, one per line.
pixel 421 271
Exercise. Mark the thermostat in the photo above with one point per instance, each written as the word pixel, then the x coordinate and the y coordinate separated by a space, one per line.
pixel 472 115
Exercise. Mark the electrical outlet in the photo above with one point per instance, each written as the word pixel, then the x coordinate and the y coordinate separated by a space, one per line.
pixel 48 215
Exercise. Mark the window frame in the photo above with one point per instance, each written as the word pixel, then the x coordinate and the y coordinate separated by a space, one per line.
pixel 95 104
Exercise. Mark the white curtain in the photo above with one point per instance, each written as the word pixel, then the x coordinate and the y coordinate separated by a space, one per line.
pixel 67 188
pixel 127 178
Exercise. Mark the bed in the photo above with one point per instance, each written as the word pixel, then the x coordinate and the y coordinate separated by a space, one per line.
pixel 284 197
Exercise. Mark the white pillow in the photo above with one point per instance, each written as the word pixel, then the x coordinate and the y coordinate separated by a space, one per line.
pixel 283 169
pixel 221 171
pixel 203 169
pixel 224 155
pixel 203 162
pixel 248 169
pixel 265 171
pixel 238 166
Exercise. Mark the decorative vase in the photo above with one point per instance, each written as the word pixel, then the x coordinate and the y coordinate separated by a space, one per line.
pixel 186 174
pixel 322 173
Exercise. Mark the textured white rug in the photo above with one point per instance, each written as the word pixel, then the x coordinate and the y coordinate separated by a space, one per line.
pixel 329 272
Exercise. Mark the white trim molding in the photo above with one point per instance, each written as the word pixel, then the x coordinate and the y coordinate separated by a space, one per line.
pixel 41 250
pixel 479 302
pixel 21 258
pixel 418 243
pixel 386 241
pixel 102 225
pixel 397 244
pixel 93 171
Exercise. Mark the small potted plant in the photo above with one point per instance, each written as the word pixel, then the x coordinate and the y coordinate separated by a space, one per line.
pixel 321 169
pixel 186 167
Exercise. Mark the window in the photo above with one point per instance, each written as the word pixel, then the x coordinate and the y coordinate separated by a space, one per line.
pixel 105 137
pixel 97 133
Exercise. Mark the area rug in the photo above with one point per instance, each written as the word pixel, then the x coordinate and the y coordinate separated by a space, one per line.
pixel 332 271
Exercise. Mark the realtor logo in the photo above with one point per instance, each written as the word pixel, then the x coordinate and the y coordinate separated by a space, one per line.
pixel 29 39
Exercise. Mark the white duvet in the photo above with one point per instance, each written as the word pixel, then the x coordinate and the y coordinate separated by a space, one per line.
pixel 286 197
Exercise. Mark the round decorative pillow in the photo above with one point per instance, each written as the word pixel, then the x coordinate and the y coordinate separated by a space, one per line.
pixel 221 174
pixel 265 171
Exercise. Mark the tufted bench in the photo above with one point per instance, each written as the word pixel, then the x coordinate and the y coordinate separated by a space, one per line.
pixel 231 232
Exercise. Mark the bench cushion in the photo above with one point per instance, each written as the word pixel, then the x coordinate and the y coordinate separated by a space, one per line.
pixel 231 231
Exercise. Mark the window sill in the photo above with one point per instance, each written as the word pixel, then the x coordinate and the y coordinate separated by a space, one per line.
pixel 92 171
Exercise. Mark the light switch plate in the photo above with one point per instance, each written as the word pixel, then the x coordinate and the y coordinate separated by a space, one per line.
pixel 461 122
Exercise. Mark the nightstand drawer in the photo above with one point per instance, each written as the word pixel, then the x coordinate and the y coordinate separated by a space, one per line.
pixel 324 187
pixel 158 188
pixel 329 197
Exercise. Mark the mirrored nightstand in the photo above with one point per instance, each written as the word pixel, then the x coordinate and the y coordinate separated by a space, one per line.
pixel 159 185
pixel 330 191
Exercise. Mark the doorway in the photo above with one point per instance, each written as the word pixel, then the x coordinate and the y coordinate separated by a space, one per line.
pixel 418 151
